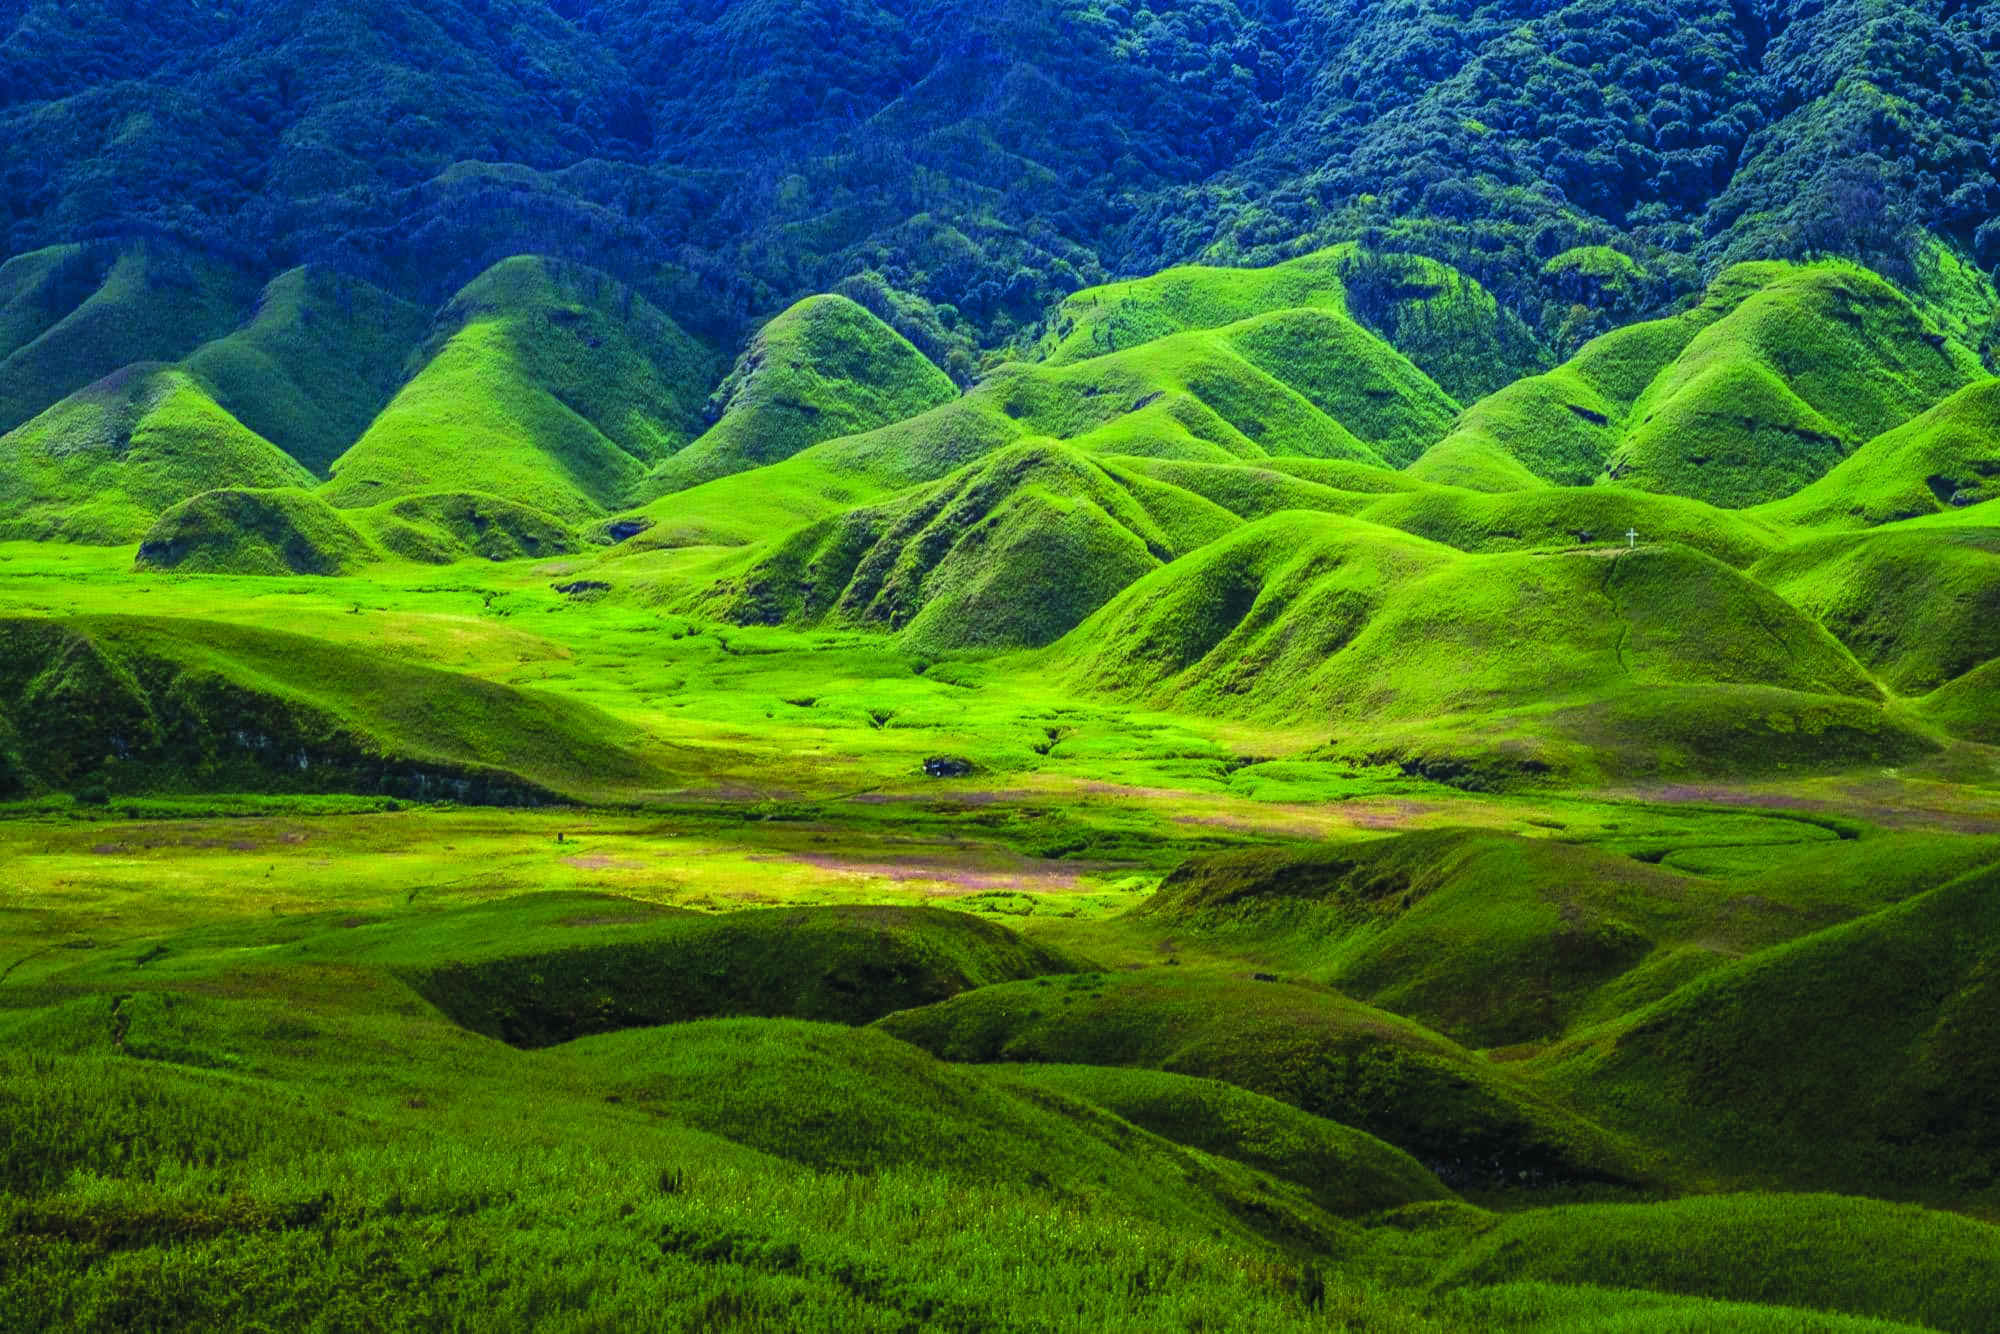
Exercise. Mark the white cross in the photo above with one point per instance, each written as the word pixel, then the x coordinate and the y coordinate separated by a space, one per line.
pixel 1632 536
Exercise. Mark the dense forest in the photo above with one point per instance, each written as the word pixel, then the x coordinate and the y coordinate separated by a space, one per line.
pixel 957 167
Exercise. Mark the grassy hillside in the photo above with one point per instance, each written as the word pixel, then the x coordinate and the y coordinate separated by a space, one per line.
pixel 1944 459
pixel 140 304
pixel 1012 551
pixel 1307 1046
pixel 1660 657
pixel 134 704
pixel 1789 1068
pixel 238 531
pixel 1776 393
pixel 1305 383
pixel 572 385
pixel 1915 604
pixel 822 369
pixel 313 363
pixel 99 466
pixel 1761 389
pixel 1348 1172
pixel 1442 321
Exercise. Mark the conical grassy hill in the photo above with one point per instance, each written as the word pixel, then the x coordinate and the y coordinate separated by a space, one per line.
pixel 315 360
pixel 547 384
pixel 102 464
pixel 824 368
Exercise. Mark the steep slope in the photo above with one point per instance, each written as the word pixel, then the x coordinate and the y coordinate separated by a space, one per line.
pixel 316 360
pixel 80 314
pixel 1012 551
pixel 1445 323
pixel 1488 938
pixel 545 383
pixel 103 463
pixel 1947 458
pixel 1467 1120
pixel 1764 387
pixel 1918 604
pixel 824 368
pixel 1776 393
pixel 1304 383
pixel 1552 518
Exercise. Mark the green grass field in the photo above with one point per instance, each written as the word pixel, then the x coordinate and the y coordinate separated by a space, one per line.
pixel 1288 810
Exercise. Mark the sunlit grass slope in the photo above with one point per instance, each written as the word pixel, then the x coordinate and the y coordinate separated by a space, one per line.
pixel 1919 605
pixel 146 303
pixel 314 362
pixel 127 703
pixel 1441 320
pixel 546 383
pixel 822 369
pixel 1552 518
pixel 239 531
pixel 1306 384
pixel 1776 376
pixel 1867 1055
pixel 839 1099
pixel 1333 1057
pixel 1013 550
pixel 99 466
pixel 1661 657
pixel 1488 938
pixel 1774 394
pixel 1947 458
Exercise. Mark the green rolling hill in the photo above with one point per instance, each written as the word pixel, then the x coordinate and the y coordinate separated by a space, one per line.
pixel 103 463
pixel 571 383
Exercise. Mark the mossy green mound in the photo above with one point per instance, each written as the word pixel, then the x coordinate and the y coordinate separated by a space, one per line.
pixel 134 704
pixel 1306 385
pixel 1969 707
pixel 316 360
pixel 1774 394
pixel 823 369
pixel 1012 551
pixel 1946 459
pixel 1490 939
pixel 1814 1253
pixel 102 464
pixel 1347 1172
pixel 1551 518
pixel 240 531
pixel 1249 491
pixel 1864 1057
pixel 1777 376
pixel 1919 606
pixel 546 383
pixel 77 314
pixel 438 529
pixel 1562 426
pixel 848 1100
pixel 1405 643
pixel 547 973
pixel 1307 1046
pixel 1441 320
